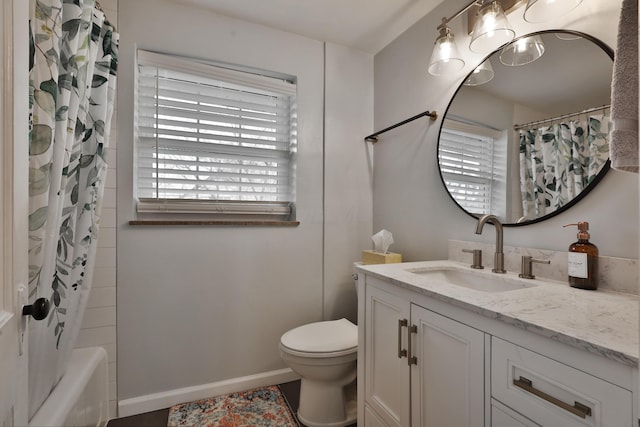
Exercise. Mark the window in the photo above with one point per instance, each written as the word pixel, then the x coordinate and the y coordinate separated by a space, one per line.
pixel 469 157
pixel 213 140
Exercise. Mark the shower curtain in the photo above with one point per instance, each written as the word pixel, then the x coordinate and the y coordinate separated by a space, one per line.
pixel 557 162
pixel 72 77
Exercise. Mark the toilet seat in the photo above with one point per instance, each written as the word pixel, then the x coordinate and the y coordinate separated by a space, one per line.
pixel 322 339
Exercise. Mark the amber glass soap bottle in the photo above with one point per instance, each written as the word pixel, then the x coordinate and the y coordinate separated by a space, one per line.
pixel 583 260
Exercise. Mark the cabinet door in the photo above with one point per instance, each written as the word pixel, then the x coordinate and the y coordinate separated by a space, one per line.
pixel 371 419
pixel 447 381
pixel 386 379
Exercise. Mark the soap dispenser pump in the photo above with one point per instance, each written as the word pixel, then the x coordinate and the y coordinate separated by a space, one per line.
pixel 583 260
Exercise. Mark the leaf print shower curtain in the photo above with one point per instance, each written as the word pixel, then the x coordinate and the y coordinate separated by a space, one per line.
pixel 73 61
pixel 557 162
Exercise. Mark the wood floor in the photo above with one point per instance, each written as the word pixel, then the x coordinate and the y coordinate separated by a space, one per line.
pixel 291 392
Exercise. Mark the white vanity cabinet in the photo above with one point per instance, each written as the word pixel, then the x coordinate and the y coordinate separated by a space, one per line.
pixel 425 362
pixel 421 368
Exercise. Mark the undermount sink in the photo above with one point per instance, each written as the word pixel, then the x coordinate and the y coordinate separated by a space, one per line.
pixel 473 280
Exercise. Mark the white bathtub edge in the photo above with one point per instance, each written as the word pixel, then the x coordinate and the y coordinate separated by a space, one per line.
pixel 166 399
pixel 62 401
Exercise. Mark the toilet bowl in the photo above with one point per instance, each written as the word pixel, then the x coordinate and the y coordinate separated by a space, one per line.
pixel 324 354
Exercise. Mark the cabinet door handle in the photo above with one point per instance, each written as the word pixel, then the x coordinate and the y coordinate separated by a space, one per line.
pixel 401 351
pixel 577 409
pixel 411 360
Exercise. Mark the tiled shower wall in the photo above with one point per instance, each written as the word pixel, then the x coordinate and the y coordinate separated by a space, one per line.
pixel 99 323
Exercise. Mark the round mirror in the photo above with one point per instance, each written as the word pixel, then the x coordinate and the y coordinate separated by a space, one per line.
pixel 526 134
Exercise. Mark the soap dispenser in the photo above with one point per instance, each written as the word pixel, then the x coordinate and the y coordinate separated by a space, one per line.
pixel 583 260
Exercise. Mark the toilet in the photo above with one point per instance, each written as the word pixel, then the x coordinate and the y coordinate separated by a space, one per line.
pixel 324 354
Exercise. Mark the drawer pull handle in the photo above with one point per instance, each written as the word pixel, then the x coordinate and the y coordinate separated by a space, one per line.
pixel 401 351
pixel 577 409
pixel 411 359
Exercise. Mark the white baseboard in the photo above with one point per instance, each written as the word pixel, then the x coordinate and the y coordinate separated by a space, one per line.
pixel 166 399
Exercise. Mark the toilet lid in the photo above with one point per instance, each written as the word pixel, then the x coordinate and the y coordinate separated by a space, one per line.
pixel 322 337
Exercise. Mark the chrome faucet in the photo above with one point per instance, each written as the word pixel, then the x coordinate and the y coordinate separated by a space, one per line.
pixel 498 259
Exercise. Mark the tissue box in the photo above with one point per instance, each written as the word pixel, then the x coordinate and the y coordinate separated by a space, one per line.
pixel 373 257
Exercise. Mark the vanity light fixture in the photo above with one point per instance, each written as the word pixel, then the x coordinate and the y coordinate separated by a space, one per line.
pixel 491 29
pixel 445 58
pixel 545 10
pixel 481 75
pixel 522 51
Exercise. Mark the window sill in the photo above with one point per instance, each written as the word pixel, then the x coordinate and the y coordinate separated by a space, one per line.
pixel 216 222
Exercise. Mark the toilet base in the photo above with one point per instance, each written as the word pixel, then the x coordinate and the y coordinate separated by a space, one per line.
pixel 317 417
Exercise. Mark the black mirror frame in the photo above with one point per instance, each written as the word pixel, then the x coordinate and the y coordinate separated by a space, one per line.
pixel 605 168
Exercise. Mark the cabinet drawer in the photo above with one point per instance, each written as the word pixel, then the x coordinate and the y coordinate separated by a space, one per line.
pixel 554 394
pixel 501 416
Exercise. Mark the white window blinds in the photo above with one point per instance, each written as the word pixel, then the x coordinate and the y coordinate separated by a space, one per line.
pixel 207 135
pixel 466 163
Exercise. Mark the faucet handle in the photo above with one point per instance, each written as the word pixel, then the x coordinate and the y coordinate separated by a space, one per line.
pixel 526 270
pixel 477 257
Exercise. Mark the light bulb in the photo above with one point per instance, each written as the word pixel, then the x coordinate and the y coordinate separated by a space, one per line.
pixel 491 29
pixel 445 58
pixel 522 51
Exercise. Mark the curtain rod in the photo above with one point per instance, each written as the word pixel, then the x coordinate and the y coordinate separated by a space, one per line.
pixel 98 6
pixel 564 116
pixel 464 120
pixel 374 136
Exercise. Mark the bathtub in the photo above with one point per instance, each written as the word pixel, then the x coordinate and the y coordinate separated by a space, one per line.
pixel 81 397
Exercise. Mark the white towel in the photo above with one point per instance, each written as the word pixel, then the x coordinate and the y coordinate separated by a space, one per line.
pixel 623 147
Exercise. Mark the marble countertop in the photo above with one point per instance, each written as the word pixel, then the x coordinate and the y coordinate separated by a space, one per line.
pixel 600 322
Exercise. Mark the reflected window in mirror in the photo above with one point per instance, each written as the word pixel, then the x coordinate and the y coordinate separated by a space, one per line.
pixel 573 76
pixel 472 161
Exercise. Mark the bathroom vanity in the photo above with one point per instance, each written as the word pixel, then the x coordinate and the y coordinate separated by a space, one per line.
pixel 441 344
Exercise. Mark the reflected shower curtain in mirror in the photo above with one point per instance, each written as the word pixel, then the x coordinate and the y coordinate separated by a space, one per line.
pixel 73 61
pixel 558 161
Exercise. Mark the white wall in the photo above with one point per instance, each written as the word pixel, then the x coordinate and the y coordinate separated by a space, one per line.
pixel 197 304
pixel 348 174
pixel 409 198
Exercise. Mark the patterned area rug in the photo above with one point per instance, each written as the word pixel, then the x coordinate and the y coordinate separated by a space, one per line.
pixel 264 406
